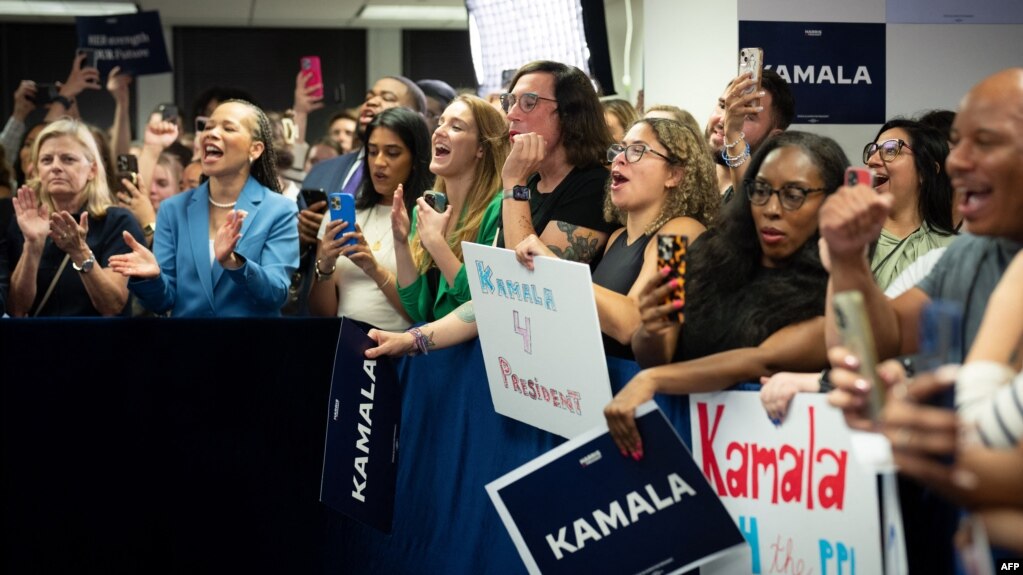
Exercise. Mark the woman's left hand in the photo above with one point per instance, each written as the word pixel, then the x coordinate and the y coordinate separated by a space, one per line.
pixel 69 235
pixel 529 248
pixel 359 252
pixel 431 225
pixel 621 415
pixel 227 239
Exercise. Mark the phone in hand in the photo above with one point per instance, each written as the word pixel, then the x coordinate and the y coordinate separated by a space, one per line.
pixel 855 176
pixel 127 169
pixel 168 112
pixel 45 93
pixel 858 337
pixel 311 64
pixel 313 195
pixel 671 252
pixel 436 200
pixel 91 57
pixel 342 207
pixel 752 60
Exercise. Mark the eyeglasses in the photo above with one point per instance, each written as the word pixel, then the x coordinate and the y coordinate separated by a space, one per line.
pixel 790 196
pixel 526 101
pixel 889 150
pixel 634 153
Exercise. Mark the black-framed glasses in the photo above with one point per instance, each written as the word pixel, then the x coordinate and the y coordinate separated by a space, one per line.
pixel 526 101
pixel 791 196
pixel 634 153
pixel 889 149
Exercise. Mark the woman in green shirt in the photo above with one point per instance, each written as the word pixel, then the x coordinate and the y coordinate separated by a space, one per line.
pixel 470 145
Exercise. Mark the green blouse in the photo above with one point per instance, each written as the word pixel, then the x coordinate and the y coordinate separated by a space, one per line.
pixel 893 255
pixel 421 302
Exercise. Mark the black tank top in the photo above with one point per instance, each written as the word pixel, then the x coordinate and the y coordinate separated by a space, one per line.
pixel 617 272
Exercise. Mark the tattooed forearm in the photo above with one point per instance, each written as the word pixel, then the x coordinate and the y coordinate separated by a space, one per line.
pixel 466 312
pixel 580 248
pixel 429 339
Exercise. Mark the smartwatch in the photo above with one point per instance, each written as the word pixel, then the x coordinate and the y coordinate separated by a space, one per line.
pixel 87 265
pixel 518 193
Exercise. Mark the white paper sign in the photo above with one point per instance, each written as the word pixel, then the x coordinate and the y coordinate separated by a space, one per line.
pixel 797 492
pixel 540 338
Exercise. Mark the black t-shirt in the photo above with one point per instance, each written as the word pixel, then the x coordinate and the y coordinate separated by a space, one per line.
pixel 69 298
pixel 578 200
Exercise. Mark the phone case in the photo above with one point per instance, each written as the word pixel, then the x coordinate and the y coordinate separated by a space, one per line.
pixel 855 175
pixel 857 336
pixel 311 64
pixel 671 251
pixel 342 207
pixel 752 60
pixel 437 200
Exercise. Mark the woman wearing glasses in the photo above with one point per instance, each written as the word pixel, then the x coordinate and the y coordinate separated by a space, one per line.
pixel 662 182
pixel 755 287
pixel 908 159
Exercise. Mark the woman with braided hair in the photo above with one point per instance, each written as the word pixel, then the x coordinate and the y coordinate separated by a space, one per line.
pixel 229 246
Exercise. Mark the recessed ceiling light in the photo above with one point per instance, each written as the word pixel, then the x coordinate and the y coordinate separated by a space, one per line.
pixel 432 13
pixel 44 8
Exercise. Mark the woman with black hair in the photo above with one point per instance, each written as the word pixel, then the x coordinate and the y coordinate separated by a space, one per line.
pixel 908 159
pixel 228 247
pixel 755 287
pixel 362 285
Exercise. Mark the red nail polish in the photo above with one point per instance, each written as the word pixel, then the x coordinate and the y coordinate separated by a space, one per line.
pixel 636 456
pixel 677 304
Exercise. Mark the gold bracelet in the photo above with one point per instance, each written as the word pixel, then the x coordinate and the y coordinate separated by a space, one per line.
pixel 323 276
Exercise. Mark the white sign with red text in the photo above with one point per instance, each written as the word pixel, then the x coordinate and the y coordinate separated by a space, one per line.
pixel 540 338
pixel 797 492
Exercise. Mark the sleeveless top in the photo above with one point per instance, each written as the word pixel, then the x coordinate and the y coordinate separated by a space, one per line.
pixel 617 272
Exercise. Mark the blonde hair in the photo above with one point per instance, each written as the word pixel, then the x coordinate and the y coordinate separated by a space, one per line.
pixel 492 136
pixel 696 194
pixel 97 192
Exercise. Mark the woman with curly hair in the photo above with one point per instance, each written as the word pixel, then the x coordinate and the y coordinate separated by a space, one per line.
pixel 755 287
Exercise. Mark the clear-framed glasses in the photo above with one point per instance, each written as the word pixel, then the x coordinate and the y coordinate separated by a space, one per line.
pixel 790 196
pixel 889 149
pixel 526 101
pixel 634 153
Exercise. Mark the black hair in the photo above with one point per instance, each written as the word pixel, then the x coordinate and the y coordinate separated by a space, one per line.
pixel 415 93
pixel 411 128
pixel 264 168
pixel 438 90
pixel 783 104
pixel 732 254
pixel 930 148
pixel 940 120
pixel 584 133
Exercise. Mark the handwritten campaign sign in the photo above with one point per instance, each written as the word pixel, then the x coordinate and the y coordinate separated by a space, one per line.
pixel 360 454
pixel 132 41
pixel 797 492
pixel 584 508
pixel 540 338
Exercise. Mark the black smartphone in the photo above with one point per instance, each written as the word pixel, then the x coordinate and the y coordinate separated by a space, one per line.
pixel 45 93
pixel 313 195
pixel 168 112
pixel 436 200
pixel 339 93
pixel 671 252
pixel 127 169
pixel 91 60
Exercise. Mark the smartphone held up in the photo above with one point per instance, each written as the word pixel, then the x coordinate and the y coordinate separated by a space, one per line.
pixel 342 207
pixel 671 252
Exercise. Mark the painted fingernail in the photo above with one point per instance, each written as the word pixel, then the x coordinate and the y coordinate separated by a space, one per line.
pixel 861 384
pixel 635 455
pixel 665 270
pixel 762 93
pixel 851 361
pixel 677 304
pixel 775 421
pixel 639 455
pixel 760 108
pixel 673 283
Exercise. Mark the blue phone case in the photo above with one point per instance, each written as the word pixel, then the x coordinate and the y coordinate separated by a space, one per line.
pixel 342 207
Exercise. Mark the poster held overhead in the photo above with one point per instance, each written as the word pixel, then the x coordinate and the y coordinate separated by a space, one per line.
pixel 132 41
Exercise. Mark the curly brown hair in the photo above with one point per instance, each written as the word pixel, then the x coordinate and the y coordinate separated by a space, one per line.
pixel 696 195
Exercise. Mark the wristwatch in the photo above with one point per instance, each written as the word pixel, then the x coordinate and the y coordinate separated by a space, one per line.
pixel 87 265
pixel 149 229
pixel 519 193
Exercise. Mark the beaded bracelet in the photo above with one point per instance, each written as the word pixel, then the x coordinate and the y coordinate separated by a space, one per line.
pixel 735 161
pixel 419 340
pixel 741 138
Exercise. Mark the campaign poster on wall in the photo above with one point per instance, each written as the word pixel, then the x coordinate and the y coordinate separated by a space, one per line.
pixel 132 41
pixel 836 71
pixel 360 452
pixel 798 492
pixel 955 12
pixel 540 339
pixel 584 508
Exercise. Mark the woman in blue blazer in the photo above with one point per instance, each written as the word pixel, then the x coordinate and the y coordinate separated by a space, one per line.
pixel 228 247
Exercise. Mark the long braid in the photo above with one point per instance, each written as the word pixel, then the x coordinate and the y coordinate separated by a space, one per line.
pixel 264 168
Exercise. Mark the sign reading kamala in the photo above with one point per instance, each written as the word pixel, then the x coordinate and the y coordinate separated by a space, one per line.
pixel 584 508
pixel 800 497
pixel 540 338
pixel 836 71
pixel 360 454
pixel 132 41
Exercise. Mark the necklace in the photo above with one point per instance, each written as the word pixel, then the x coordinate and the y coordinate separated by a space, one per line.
pixel 375 246
pixel 220 205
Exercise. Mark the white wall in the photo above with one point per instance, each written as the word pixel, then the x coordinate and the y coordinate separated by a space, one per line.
pixel 615 16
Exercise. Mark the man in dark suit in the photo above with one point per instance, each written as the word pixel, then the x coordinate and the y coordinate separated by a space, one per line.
pixel 342 174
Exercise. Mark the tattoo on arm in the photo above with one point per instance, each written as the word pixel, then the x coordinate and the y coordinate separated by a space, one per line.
pixel 581 248
pixel 429 339
pixel 466 312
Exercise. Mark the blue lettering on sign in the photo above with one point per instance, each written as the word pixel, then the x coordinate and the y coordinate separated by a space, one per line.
pixel 509 289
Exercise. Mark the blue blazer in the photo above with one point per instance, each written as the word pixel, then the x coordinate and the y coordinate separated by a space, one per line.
pixel 329 175
pixel 190 286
